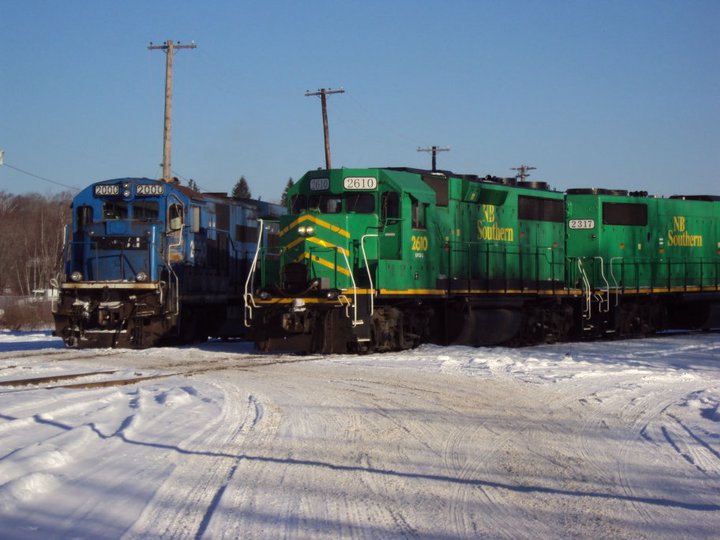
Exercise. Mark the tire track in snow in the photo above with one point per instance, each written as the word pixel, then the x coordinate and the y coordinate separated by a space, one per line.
pixel 644 410
pixel 182 511
pixel 499 516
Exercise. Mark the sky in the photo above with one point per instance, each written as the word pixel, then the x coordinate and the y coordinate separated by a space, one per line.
pixel 616 94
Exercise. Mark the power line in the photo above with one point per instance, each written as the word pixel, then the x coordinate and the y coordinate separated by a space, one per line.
pixel 40 177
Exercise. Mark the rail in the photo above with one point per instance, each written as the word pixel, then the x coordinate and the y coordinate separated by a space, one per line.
pixel 643 275
pixel 490 267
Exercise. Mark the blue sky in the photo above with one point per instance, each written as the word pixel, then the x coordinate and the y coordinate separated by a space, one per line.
pixel 620 94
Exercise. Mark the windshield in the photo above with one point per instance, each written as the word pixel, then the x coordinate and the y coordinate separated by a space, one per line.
pixel 145 210
pixel 362 203
pixel 141 210
pixel 115 210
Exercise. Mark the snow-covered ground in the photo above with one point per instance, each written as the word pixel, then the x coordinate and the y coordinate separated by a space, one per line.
pixel 585 440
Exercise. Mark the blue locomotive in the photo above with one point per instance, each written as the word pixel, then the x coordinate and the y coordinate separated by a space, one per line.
pixel 148 261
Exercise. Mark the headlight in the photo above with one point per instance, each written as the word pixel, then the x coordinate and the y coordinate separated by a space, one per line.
pixel 265 295
pixel 301 230
pixel 141 276
pixel 333 294
pixel 309 230
pixel 76 276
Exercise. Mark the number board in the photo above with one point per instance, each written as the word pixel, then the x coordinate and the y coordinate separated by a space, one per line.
pixel 105 190
pixel 360 182
pixel 150 189
pixel 319 184
pixel 582 224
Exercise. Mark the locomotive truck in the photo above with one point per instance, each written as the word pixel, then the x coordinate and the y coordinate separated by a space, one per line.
pixel 386 258
pixel 148 261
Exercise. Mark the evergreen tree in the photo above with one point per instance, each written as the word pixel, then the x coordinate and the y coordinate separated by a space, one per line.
pixel 193 185
pixel 241 189
pixel 284 199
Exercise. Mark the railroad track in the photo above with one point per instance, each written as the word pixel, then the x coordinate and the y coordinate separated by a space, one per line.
pixel 108 377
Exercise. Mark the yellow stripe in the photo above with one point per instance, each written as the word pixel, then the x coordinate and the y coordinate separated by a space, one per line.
pixel 317 221
pixel 315 258
pixel 328 264
pixel 557 292
pixel 260 302
pixel 319 242
pixel 561 292
pixel 294 243
pixel 412 291
pixel 325 244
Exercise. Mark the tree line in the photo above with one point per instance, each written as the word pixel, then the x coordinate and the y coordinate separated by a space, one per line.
pixel 31 239
pixel 241 190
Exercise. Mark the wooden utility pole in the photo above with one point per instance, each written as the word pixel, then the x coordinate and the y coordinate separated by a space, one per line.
pixel 523 171
pixel 434 150
pixel 169 47
pixel 323 93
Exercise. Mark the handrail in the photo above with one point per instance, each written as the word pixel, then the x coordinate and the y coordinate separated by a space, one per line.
pixel 174 294
pixel 248 299
pixel 607 286
pixel 586 286
pixel 367 267
pixel 355 321
pixel 615 281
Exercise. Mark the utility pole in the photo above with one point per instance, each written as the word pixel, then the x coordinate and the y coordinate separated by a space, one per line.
pixel 169 47
pixel 434 150
pixel 323 93
pixel 523 172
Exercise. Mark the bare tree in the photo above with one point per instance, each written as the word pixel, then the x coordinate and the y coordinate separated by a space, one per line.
pixel 31 228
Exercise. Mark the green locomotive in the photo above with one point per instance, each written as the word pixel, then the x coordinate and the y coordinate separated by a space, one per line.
pixel 384 259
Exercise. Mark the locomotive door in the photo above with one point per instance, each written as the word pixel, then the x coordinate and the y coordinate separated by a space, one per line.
pixel 391 235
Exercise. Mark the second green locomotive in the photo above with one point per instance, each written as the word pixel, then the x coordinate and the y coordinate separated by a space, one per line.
pixel 384 259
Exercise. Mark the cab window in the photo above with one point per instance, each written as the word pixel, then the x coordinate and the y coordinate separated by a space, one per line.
pixel 175 217
pixel 84 216
pixel 418 213
pixel 115 210
pixel 145 210
pixel 325 204
pixel 299 203
pixel 390 203
pixel 361 203
pixel 195 219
